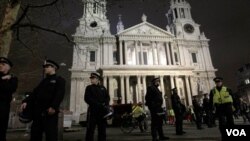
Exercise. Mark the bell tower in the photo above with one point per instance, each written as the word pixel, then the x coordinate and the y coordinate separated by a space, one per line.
pixel 180 20
pixel 94 21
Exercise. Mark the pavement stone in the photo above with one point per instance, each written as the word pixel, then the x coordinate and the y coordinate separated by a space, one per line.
pixel 115 134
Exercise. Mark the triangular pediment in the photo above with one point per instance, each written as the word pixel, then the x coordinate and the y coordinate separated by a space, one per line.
pixel 145 29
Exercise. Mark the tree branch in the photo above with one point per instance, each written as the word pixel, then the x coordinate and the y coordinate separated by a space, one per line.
pixel 31 6
pixel 43 5
pixel 45 29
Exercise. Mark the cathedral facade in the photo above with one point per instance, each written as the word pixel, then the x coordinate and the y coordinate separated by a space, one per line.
pixel 131 58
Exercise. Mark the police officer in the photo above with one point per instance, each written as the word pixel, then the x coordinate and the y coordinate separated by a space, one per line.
pixel 198 111
pixel 222 99
pixel 97 98
pixel 154 102
pixel 179 110
pixel 8 85
pixel 207 107
pixel 46 99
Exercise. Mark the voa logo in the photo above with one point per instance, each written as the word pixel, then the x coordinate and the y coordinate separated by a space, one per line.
pixel 236 132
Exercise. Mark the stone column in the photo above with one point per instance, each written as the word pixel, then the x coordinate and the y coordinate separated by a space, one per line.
pixel 136 53
pixel 153 53
pixel 105 81
pixel 182 56
pixel 126 52
pixel 174 14
pixel 144 88
pixel 168 53
pixel 177 84
pixel 138 97
pixel 172 52
pixel 193 92
pixel 122 89
pixel 128 95
pixel 158 53
pixel 189 96
pixel 121 53
pixel 111 89
pixel 78 87
pixel 73 96
pixel 172 81
pixel 162 90
pixel 141 51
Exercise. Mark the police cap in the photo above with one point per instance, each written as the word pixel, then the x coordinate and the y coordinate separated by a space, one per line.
pixel 26 115
pixel 95 75
pixel 51 63
pixel 6 61
pixel 174 89
pixel 155 79
pixel 217 79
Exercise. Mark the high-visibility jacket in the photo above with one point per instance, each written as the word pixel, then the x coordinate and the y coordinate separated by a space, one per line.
pixel 171 112
pixel 137 111
pixel 222 96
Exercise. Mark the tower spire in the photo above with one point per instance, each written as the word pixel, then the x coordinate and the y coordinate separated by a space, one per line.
pixel 119 26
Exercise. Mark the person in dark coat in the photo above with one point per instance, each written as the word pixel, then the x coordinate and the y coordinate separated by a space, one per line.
pixel 97 97
pixel 208 109
pixel 8 85
pixel 222 99
pixel 179 111
pixel 45 101
pixel 198 111
pixel 154 102
pixel 244 110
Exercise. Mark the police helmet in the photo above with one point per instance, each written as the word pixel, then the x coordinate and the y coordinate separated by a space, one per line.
pixel 26 115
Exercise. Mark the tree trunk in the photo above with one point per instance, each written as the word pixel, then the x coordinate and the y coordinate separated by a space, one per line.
pixel 7 19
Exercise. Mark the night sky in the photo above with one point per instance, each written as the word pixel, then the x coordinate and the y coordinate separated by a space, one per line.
pixel 225 22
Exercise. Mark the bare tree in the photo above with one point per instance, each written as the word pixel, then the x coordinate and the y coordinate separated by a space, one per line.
pixel 9 10
pixel 11 22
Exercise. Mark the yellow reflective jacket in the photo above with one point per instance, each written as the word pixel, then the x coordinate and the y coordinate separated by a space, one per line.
pixel 222 96
pixel 137 111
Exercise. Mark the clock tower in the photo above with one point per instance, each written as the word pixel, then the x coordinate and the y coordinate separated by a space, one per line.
pixel 180 20
pixel 192 44
pixel 94 22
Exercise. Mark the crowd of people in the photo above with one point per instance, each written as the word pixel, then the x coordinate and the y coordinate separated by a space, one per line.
pixel 42 106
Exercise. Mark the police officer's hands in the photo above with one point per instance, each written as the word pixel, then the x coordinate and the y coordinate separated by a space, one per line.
pixel 23 106
pixel 51 111
pixel 6 77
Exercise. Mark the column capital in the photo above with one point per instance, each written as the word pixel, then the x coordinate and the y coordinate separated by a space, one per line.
pixel 122 76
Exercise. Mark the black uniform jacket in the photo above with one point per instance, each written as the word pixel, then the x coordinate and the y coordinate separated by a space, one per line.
pixel 49 93
pixel 154 99
pixel 97 98
pixel 176 104
pixel 7 88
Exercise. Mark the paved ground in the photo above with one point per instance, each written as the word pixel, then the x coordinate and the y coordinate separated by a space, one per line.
pixel 115 134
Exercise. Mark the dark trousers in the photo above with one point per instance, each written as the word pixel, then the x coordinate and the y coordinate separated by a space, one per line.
pixel 198 119
pixel 178 123
pixel 225 120
pixel 209 118
pixel 45 124
pixel 4 119
pixel 156 125
pixel 101 124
